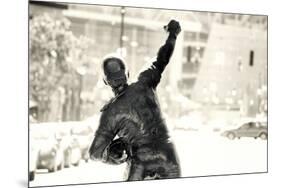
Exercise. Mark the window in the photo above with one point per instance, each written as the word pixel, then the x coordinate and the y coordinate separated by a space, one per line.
pixel 251 62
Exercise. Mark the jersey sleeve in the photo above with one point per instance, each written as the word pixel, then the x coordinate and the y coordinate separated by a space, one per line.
pixel 152 76
pixel 103 137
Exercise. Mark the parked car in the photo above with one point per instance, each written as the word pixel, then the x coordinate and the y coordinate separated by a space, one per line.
pixel 50 154
pixel 83 135
pixel 33 158
pixel 76 153
pixel 253 129
pixel 69 145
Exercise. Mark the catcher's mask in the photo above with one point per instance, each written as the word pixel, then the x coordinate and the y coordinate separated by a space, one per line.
pixel 117 147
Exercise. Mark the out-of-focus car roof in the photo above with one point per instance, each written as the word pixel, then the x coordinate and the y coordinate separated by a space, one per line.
pixel 242 121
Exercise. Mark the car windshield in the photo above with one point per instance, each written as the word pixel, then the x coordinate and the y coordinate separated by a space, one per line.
pixel 252 125
pixel 244 126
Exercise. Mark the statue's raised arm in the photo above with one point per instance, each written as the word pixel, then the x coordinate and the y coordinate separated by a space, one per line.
pixel 152 75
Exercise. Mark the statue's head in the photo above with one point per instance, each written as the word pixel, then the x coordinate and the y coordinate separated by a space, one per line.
pixel 115 72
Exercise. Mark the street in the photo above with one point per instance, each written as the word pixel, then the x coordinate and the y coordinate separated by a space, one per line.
pixel 85 173
pixel 201 153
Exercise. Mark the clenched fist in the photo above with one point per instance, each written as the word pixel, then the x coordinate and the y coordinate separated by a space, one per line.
pixel 173 27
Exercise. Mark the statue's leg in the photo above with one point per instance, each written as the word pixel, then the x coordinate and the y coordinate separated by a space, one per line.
pixel 136 171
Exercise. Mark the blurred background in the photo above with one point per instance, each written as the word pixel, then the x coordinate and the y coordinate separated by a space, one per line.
pixel 213 92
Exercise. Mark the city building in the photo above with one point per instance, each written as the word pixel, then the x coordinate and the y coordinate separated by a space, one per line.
pixel 220 59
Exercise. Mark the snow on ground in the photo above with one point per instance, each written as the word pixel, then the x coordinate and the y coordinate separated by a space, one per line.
pixel 208 153
pixel 201 153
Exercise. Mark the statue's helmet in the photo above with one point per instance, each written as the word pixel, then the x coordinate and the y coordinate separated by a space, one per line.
pixel 114 69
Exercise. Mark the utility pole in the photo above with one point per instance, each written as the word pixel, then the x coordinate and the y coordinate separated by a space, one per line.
pixel 123 11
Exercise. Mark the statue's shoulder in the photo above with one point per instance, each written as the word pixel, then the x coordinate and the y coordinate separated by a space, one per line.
pixel 107 105
pixel 111 101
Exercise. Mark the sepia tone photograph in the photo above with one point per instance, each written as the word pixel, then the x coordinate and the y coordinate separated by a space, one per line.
pixel 120 93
